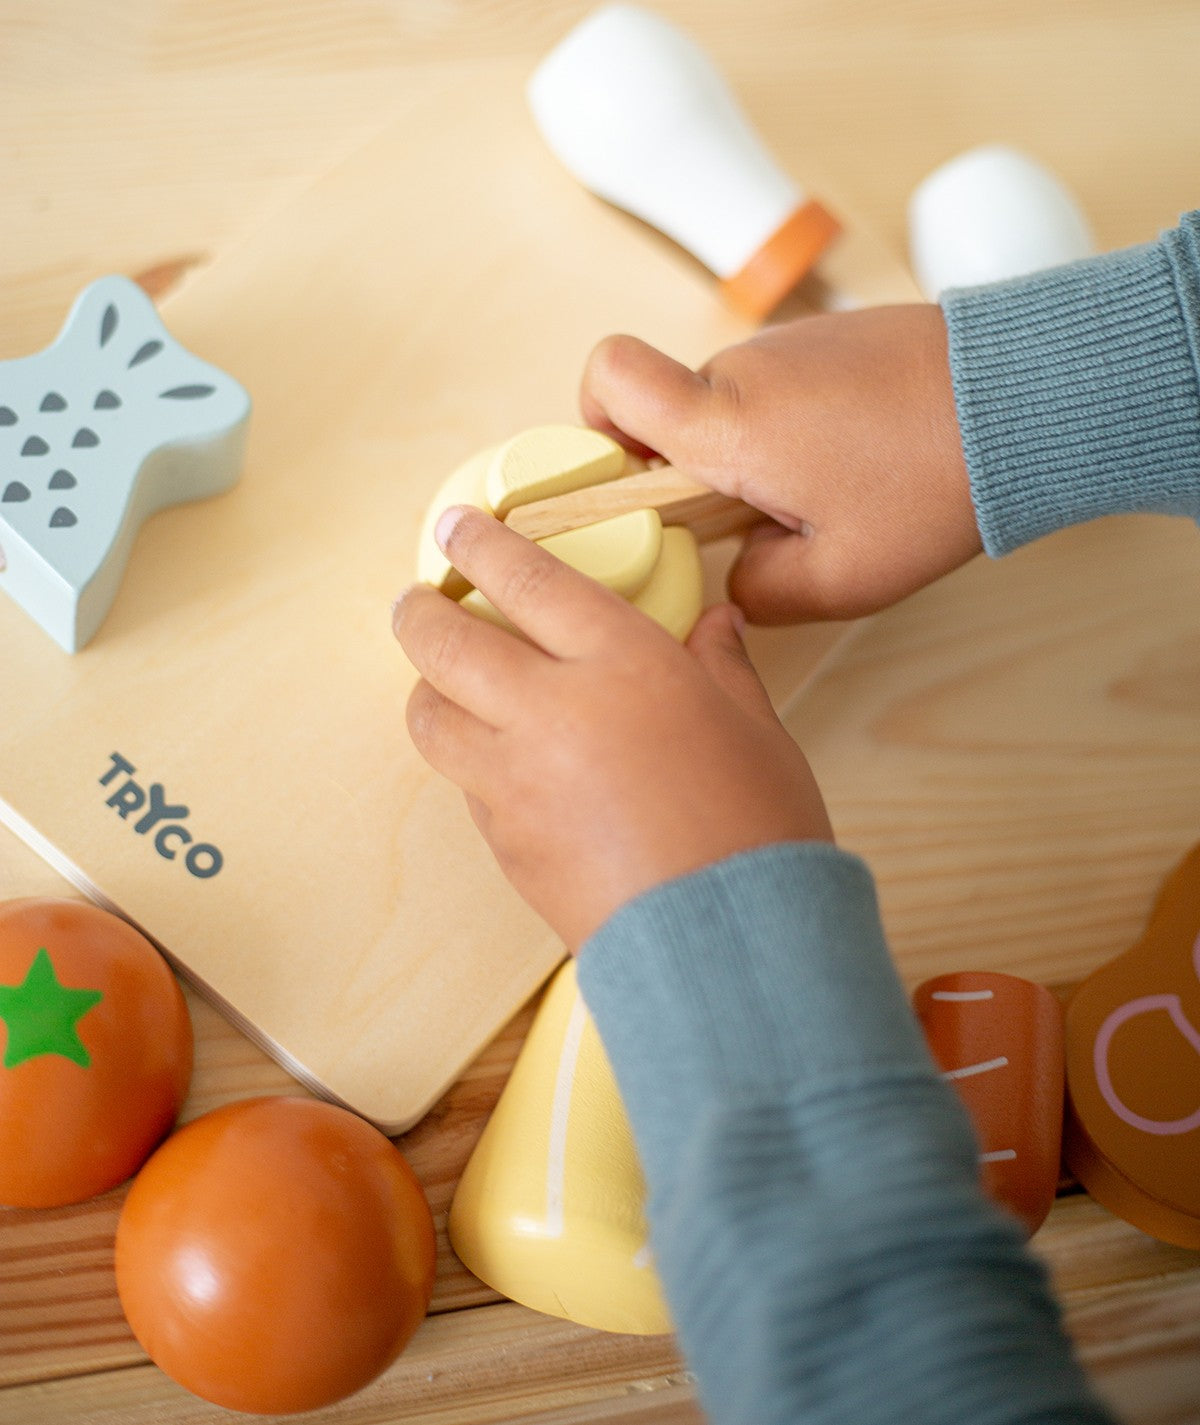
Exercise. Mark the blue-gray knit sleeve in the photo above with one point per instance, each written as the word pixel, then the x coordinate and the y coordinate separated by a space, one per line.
pixel 1078 389
pixel 814 1204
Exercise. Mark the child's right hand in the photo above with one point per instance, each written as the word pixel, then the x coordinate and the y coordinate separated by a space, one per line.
pixel 840 428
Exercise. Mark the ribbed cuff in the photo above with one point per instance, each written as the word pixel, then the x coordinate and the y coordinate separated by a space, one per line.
pixel 1077 390
pixel 747 980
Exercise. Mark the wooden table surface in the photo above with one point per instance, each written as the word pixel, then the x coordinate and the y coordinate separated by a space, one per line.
pixel 1015 751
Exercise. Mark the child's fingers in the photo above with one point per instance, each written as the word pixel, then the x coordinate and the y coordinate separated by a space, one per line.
pixel 453 741
pixel 561 610
pixel 642 397
pixel 717 642
pixel 479 666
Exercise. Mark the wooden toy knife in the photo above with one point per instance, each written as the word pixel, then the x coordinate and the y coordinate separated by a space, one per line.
pixel 678 498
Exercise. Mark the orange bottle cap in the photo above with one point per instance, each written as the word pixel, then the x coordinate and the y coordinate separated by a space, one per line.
pixel 787 256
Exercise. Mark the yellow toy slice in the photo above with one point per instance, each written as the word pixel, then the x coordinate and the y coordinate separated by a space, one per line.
pixel 550 1208
pixel 674 594
pixel 549 460
pixel 621 553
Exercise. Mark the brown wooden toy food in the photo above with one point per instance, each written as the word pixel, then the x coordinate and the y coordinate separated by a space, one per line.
pixel 999 1040
pixel 1133 1071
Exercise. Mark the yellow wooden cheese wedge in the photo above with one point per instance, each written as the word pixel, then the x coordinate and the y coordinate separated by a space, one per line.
pixel 549 460
pixel 674 594
pixel 550 1208
pixel 621 553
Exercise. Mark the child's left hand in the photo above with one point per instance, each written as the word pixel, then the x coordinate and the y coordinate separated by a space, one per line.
pixel 600 758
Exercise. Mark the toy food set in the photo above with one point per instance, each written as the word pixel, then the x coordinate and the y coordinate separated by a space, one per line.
pixel 1133 1071
pixel 97 1051
pixel 219 759
pixel 548 478
pixel 999 1040
pixel 550 1209
pixel 224 762
pixel 276 1255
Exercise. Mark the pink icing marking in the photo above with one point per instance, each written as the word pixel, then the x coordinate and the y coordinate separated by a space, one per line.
pixel 1145 1005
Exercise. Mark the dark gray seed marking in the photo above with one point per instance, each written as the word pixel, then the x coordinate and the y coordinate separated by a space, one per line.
pixel 85 437
pixel 14 493
pixel 186 393
pixel 62 518
pixel 35 445
pixel 108 324
pixel 106 401
pixel 63 480
pixel 145 352
pixel 52 401
pixel 8 417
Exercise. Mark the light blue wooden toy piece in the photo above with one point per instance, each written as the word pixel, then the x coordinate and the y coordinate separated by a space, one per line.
pixel 112 422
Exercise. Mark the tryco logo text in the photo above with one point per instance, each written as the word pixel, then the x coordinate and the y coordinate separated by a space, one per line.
pixel 147 809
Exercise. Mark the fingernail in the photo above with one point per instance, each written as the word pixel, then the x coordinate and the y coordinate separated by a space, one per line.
pixel 738 619
pixel 398 600
pixel 446 523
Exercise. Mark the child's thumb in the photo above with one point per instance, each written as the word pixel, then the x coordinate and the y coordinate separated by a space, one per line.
pixel 716 640
pixel 785 577
pixel 643 397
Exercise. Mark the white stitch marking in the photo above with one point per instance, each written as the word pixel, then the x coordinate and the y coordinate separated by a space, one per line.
pixel 961 995
pixel 560 1115
pixel 982 1068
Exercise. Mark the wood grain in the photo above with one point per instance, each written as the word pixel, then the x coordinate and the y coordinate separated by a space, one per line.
pixel 1107 686
pixel 1021 774
pixel 1013 750
pixel 149 130
pixel 247 665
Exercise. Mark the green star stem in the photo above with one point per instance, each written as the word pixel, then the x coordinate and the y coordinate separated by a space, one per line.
pixel 41 1014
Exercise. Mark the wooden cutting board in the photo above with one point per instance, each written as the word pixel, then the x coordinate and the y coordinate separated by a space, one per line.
pixel 436 293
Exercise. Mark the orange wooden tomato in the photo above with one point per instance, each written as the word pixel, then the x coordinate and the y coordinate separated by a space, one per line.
pixel 95 1051
pixel 275 1255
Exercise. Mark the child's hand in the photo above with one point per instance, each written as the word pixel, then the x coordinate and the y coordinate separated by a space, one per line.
pixel 840 428
pixel 600 758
